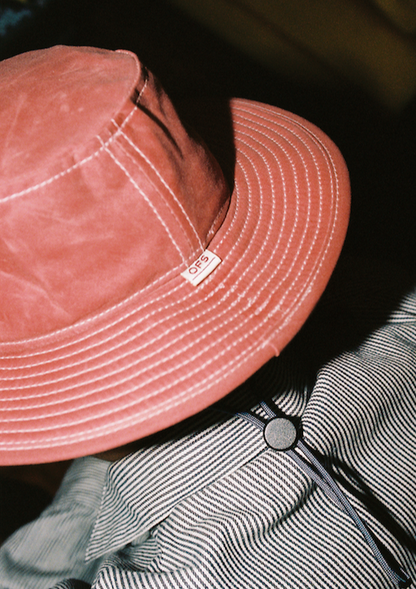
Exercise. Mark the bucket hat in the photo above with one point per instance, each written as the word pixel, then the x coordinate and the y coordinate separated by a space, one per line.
pixel 137 286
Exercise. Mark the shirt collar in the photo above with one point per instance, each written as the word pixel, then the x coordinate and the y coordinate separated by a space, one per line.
pixel 142 488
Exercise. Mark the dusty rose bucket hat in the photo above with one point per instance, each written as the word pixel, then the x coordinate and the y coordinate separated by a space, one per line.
pixel 136 288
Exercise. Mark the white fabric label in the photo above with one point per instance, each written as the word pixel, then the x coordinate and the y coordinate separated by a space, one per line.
pixel 202 267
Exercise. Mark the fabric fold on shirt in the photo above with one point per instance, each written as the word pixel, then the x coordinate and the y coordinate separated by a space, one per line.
pixel 53 546
pixel 142 489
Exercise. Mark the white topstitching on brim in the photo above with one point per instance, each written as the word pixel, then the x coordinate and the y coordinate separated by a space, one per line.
pixel 100 315
pixel 43 384
pixel 251 350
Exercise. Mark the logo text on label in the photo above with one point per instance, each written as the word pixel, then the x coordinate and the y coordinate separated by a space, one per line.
pixel 202 267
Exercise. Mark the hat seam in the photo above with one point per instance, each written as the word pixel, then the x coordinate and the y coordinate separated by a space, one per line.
pixel 218 216
pixel 149 412
pixel 190 295
pixel 331 168
pixel 140 68
pixel 166 203
pixel 231 363
pixel 125 393
pixel 285 200
pixel 121 423
pixel 334 190
pixel 196 304
pixel 147 200
pixel 96 317
pixel 70 168
pixel 85 321
pixel 305 259
pixel 170 190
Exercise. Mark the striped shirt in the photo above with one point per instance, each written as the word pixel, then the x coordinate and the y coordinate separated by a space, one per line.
pixel 208 504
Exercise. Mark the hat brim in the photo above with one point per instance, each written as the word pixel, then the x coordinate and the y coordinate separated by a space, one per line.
pixel 174 349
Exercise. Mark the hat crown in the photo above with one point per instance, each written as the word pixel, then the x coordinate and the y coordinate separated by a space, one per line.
pixel 103 193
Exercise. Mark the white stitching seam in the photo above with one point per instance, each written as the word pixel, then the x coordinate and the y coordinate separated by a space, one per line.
pixel 101 342
pixel 165 184
pixel 151 206
pixel 88 320
pixel 71 168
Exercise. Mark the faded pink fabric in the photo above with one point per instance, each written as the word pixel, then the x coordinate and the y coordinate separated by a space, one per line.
pixel 84 225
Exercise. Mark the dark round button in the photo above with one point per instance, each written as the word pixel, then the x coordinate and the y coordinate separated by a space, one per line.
pixel 280 433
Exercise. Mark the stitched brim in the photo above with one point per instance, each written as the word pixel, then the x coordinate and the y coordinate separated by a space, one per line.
pixel 172 350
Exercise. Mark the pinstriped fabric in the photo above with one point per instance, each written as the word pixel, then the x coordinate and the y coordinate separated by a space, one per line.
pixel 210 506
pixel 53 547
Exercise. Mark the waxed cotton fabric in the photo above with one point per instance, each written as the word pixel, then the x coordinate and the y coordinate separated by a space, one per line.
pixel 145 348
